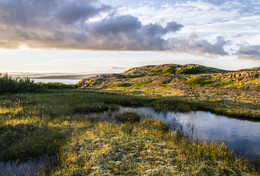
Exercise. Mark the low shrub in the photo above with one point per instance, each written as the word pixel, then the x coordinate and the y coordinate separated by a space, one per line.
pixel 121 84
pixel 26 140
pixel 139 84
pixel 169 70
pixel 197 80
pixel 191 69
pixel 90 84
pixel 9 84
pixel 128 117
pixel 56 85
pixel 155 125
pixel 181 107
pixel 90 108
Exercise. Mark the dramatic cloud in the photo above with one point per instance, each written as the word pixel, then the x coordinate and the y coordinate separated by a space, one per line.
pixel 115 25
pixel 249 52
pixel 128 33
pixel 67 24
pixel 194 45
pixel 78 10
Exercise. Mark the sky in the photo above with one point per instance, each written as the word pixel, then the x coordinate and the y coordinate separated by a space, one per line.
pixel 89 36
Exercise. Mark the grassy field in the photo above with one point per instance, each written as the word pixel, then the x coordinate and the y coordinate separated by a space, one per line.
pixel 50 119
pixel 235 94
pixel 36 123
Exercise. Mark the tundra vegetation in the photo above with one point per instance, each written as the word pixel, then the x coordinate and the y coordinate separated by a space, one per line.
pixel 47 119
pixel 231 93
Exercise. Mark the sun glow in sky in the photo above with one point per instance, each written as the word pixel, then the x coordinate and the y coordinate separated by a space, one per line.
pixel 111 36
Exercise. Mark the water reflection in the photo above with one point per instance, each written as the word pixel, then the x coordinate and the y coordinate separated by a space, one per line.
pixel 243 137
pixel 29 166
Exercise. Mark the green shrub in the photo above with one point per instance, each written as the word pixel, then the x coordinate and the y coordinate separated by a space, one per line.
pixel 23 140
pixel 128 117
pixel 90 108
pixel 9 84
pixel 90 84
pixel 197 80
pixel 143 83
pixel 155 125
pixel 56 85
pixel 121 84
pixel 181 107
pixel 191 69
pixel 169 70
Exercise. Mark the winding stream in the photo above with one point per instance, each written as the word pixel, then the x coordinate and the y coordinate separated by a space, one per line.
pixel 241 136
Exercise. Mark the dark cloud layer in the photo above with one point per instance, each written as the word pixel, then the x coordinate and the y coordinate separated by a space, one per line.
pixel 66 24
pixel 78 10
pixel 249 52
pixel 115 25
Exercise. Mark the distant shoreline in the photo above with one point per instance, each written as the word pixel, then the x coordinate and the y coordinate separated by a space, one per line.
pixel 71 77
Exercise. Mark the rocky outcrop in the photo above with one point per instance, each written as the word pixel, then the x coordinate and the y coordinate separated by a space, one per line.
pixel 99 79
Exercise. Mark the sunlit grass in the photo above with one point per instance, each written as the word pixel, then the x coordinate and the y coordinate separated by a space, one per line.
pixel 143 149
pixel 34 124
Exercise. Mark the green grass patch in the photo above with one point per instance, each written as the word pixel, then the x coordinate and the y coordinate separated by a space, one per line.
pixel 140 84
pixel 92 108
pixel 24 140
pixel 143 149
pixel 198 80
pixel 120 84
pixel 33 124
pixel 128 117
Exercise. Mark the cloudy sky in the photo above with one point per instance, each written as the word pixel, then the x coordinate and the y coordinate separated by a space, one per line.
pixel 114 35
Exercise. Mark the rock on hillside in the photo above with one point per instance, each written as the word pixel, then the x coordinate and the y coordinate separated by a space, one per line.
pixel 98 79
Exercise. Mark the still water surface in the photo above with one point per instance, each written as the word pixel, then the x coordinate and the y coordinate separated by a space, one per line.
pixel 64 81
pixel 241 136
pixel 30 166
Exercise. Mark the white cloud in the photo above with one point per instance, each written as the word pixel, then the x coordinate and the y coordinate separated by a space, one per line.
pixel 208 19
pixel 90 25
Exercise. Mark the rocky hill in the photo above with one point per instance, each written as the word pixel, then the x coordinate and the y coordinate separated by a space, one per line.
pixel 190 75
pixel 235 93
pixel 166 69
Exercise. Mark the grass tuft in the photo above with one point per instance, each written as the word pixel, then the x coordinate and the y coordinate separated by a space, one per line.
pixel 128 117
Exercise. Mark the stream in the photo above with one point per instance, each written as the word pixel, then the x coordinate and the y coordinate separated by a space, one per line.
pixel 241 136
